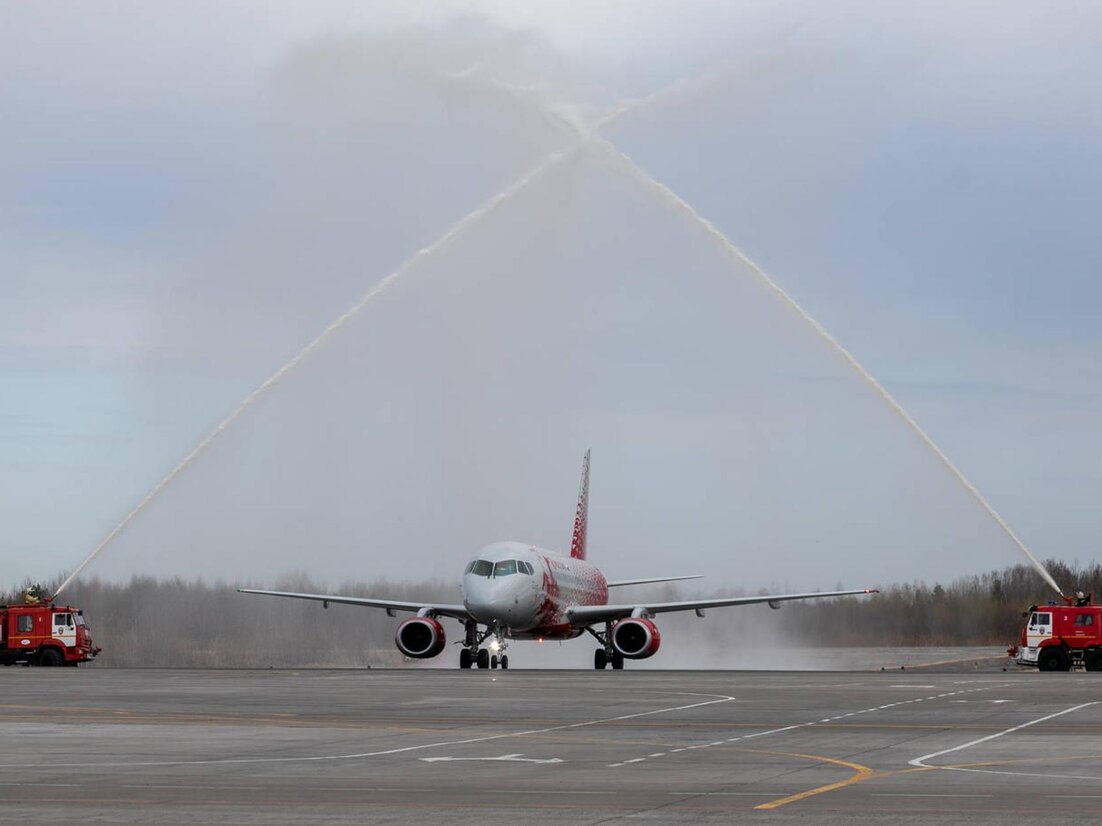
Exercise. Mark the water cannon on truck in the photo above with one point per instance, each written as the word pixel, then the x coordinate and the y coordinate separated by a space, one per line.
pixel 1061 637
pixel 38 632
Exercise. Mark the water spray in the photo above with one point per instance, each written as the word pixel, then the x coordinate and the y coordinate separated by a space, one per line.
pixel 422 254
pixel 667 194
pixel 585 136
pixel 673 199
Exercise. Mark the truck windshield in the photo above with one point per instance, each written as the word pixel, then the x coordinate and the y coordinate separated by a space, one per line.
pixel 80 619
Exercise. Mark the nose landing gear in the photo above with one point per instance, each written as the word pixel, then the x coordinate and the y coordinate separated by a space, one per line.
pixel 473 655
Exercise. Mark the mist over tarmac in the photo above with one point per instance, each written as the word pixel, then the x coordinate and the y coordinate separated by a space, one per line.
pixel 206 210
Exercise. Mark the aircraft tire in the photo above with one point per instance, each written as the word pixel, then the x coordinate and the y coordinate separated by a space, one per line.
pixel 599 659
pixel 617 661
pixel 483 658
pixel 504 662
pixel 465 658
pixel 493 661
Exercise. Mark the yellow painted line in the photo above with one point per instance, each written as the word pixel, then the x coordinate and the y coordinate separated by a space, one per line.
pixel 861 773
pixel 865 773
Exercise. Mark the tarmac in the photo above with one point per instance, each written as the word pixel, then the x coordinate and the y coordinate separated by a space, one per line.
pixel 438 746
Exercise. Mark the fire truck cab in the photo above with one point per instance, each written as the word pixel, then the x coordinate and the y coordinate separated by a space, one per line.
pixel 1058 637
pixel 41 633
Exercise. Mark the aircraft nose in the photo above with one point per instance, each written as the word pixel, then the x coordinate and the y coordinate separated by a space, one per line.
pixel 495 600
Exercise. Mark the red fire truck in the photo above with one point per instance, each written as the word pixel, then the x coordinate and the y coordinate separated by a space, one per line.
pixel 1060 637
pixel 41 633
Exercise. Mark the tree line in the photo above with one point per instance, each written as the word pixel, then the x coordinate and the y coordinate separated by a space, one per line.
pixel 194 623
pixel 984 609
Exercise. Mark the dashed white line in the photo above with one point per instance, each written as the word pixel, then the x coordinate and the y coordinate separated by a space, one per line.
pixel 804 725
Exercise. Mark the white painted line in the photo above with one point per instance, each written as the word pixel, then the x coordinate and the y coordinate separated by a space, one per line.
pixel 925 794
pixel 542 791
pixel 228 787
pixel 728 794
pixel 223 761
pixel 810 723
pixel 505 758
pixel 921 761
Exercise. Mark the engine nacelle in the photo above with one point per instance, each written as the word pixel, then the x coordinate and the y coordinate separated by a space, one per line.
pixel 636 638
pixel 420 637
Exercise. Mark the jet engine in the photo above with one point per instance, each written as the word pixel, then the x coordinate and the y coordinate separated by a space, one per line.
pixel 420 637
pixel 636 638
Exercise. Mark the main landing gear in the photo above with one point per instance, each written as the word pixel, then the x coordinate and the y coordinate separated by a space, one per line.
pixel 606 655
pixel 473 655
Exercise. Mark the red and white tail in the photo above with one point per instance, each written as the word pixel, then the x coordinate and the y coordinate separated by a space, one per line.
pixel 581 516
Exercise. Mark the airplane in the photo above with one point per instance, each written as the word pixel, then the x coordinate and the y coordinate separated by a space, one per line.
pixel 516 591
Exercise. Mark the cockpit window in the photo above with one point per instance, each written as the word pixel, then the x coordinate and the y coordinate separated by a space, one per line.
pixel 482 567
pixel 505 567
pixel 524 568
pixel 468 568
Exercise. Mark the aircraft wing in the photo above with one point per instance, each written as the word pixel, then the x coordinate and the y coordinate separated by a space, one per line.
pixel 390 605
pixel 617 583
pixel 588 614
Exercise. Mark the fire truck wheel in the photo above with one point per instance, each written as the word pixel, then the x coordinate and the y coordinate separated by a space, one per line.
pixel 1093 660
pixel 49 658
pixel 1053 659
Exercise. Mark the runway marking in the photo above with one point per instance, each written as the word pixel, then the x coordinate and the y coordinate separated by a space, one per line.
pixel 719 698
pixel 505 758
pixel 925 794
pixel 921 763
pixel 861 773
pixel 810 723
pixel 723 794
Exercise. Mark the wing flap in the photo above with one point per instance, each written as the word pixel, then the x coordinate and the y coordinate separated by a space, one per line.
pixel 588 614
pixel 456 611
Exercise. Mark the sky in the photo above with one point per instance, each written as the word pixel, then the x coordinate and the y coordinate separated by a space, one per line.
pixel 189 195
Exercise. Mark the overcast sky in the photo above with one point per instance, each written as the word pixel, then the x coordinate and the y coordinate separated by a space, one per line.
pixel 189 194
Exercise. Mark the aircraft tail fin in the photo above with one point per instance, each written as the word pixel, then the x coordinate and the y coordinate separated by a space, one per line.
pixel 581 516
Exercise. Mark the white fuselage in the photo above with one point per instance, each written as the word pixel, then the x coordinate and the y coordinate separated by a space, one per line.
pixel 523 590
